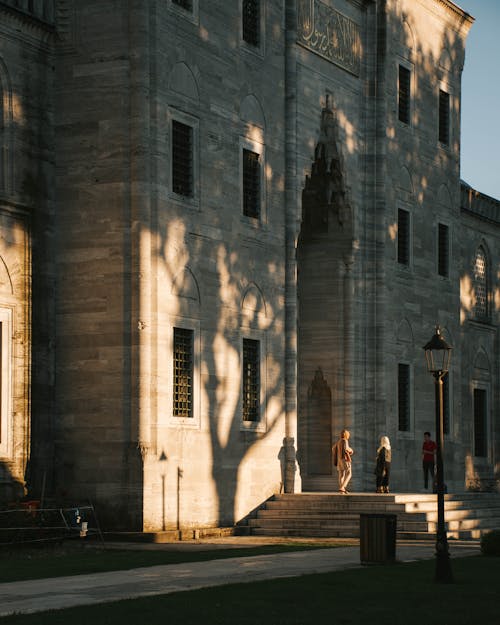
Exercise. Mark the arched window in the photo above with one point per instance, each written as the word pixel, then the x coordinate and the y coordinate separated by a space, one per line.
pixel 481 285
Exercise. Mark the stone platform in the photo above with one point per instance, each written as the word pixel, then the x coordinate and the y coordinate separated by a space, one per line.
pixel 467 515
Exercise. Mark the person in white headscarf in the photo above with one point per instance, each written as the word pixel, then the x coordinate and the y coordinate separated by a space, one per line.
pixel 383 466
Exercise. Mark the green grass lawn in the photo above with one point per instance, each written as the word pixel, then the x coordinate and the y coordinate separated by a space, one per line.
pixel 400 594
pixel 71 559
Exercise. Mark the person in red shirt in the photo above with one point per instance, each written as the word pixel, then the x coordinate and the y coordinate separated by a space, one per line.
pixel 428 458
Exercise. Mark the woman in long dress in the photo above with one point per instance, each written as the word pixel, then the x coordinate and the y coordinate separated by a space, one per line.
pixel 343 454
pixel 383 466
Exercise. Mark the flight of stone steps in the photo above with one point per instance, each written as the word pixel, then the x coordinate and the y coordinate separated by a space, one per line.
pixel 467 516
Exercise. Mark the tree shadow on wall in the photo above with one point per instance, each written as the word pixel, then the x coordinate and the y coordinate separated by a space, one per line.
pixel 221 278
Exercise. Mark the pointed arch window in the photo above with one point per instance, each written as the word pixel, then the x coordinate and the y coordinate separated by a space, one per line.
pixel 481 285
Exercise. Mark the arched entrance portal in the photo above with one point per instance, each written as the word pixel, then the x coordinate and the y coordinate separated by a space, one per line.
pixel 324 260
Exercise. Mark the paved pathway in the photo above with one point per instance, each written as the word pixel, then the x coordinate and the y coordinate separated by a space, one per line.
pixel 79 590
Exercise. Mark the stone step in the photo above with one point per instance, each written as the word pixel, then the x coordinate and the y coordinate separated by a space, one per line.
pixel 321 516
pixel 304 523
pixel 430 506
pixel 305 514
pixel 402 497
pixel 308 499
pixel 466 524
pixel 313 533
pixel 430 517
pixel 467 516
pixel 384 503
pixel 457 515
pixel 333 524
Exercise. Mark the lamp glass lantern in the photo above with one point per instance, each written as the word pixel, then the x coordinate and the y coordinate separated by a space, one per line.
pixel 438 354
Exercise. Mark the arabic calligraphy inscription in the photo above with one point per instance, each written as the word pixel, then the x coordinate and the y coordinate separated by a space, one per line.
pixel 328 33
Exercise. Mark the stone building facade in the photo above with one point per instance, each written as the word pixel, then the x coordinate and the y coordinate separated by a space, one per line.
pixel 228 229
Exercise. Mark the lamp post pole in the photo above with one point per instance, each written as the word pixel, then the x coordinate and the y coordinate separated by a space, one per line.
pixel 438 354
pixel 443 566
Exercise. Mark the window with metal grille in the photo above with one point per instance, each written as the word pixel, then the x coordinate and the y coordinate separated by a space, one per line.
pixel 251 380
pixel 185 4
pixel 481 285
pixel 182 159
pixel 404 94
pixel 403 237
pixel 444 117
pixel 183 372
pixel 251 184
pixel 251 22
pixel 443 250
pixel 480 423
pixel 403 398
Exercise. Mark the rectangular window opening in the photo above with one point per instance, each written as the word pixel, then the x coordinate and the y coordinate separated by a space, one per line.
pixel 443 250
pixel 182 159
pixel 480 423
pixel 185 4
pixel 403 237
pixel 251 380
pixel 183 373
pixel 481 286
pixel 251 184
pixel 251 22
pixel 403 398
pixel 404 94
pixel 444 117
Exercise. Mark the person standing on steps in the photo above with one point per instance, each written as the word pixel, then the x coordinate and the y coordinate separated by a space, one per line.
pixel 383 466
pixel 429 448
pixel 342 459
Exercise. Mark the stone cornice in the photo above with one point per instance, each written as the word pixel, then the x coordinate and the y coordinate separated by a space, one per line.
pixel 479 205
pixel 463 19
pixel 454 8
pixel 12 207
pixel 27 18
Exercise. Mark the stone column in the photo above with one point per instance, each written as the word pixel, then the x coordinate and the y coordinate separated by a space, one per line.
pixel 140 243
pixel 292 214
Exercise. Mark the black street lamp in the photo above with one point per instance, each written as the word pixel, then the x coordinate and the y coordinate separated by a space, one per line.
pixel 438 354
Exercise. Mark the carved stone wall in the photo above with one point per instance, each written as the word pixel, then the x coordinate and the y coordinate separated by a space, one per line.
pixel 119 258
pixel 26 254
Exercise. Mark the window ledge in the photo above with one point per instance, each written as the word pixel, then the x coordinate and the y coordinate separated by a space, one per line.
pixel 253 426
pixel 483 325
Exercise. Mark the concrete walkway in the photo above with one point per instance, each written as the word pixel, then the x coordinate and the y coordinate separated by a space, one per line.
pixel 80 590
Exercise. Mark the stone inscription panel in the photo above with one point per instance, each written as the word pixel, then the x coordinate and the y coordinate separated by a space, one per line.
pixel 330 34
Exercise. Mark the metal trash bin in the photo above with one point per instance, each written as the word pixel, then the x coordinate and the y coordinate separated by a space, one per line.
pixel 377 537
